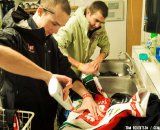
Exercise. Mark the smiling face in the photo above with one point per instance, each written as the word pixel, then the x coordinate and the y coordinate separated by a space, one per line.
pixel 95 20
pixel 51 19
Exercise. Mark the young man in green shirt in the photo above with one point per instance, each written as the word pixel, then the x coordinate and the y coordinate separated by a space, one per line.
pixel 79 38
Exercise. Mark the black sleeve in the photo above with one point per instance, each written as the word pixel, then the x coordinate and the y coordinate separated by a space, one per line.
pixel 9 37
pixel 64 64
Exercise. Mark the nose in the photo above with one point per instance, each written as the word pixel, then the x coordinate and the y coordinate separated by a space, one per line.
pixel 97 24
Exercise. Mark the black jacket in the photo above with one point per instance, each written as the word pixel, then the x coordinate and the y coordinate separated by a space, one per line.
pixel 32 94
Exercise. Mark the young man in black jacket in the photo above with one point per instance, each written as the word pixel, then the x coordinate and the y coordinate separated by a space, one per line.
pixel 31 36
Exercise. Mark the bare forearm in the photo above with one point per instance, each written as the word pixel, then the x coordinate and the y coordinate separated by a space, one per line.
pixel 14 62
pixel 79 88
pixel 101 57
pixel 73 61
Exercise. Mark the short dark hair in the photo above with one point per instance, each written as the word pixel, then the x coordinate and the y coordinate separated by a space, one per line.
pixel 99 6
pixel 52 3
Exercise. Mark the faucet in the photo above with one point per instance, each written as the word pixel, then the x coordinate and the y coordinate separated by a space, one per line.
pixel 131 69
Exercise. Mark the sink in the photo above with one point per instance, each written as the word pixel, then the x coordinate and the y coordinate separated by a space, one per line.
pixel 114 67
pixel 112 85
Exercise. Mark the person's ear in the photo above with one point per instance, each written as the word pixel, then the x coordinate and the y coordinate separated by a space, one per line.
pixel 88 12
pixel 40 11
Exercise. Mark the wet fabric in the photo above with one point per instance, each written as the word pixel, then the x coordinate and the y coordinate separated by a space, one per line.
pixel 118 98
pixel 151 121
pixel 136 106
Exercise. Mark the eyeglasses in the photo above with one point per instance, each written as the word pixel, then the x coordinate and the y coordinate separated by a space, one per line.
pixel 53 23
pixel 48 10
pixel 52 12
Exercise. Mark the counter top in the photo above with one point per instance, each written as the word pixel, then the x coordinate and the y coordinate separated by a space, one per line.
pixel 149 71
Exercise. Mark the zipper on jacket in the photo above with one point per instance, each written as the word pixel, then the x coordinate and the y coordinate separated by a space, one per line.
pixel 45 56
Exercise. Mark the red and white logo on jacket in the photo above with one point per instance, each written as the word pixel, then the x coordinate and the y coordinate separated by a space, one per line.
pixel 103 104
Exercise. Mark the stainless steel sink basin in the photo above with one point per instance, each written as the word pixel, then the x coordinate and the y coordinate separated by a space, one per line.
pixel 114 68
pixel 112 85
